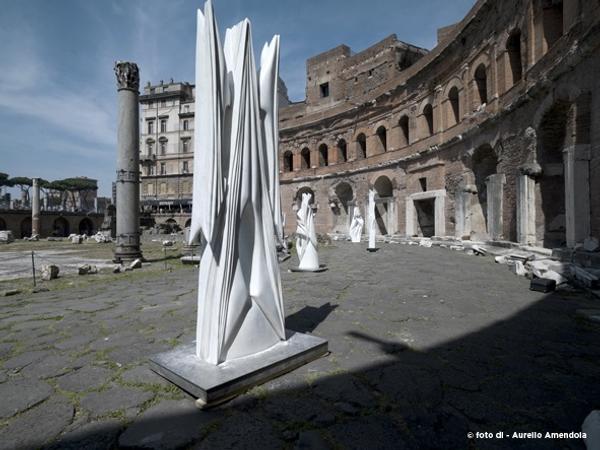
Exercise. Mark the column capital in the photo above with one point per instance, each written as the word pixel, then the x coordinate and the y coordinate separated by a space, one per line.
pixel 128 75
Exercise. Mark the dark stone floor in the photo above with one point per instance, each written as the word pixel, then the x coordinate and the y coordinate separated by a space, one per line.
pixel 426 346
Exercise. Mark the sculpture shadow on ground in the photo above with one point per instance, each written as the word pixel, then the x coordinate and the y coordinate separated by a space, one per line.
pixel 534 371
pixel 308 318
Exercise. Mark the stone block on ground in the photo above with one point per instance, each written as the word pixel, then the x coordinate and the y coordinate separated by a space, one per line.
pixel 50 272
pixel 6 237
pixel 591 244
pixel 136 264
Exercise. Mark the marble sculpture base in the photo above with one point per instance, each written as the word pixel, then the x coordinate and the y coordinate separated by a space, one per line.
pixel 212 385
pixel 322 268
pixel 372 249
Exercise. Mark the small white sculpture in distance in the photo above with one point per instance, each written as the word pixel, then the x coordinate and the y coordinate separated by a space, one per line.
pixel 356 226
pixel 306 237
pixel 371 221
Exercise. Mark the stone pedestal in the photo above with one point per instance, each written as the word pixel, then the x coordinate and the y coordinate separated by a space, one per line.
pixel 35 207
pixel 526 232
pixel 128 177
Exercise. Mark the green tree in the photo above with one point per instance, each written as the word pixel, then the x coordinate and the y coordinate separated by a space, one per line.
pixel 78 187
pixel 23 183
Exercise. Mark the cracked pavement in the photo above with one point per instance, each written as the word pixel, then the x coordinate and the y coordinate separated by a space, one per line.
pixel 426 345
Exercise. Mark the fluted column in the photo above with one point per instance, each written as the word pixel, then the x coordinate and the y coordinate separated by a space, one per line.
pixel 128 179
pixel 35 207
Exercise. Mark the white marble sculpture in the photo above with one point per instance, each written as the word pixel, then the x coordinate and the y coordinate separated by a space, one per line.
pixel 371 219
pixel 236 194
pixel 306 241
pixel 356 226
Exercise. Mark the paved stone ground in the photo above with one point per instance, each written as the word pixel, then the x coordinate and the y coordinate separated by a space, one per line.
pixel 426 345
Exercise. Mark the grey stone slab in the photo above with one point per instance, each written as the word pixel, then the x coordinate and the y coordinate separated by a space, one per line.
pixel 6 349
pixel 100 435
pixel 20 394
pixel 38 425
pixel 169 424
pixel 78 342
pixel 212 384
pixel 87 377
pixel 115 398
pixel 49 367
pixel 24 359
pixel 142 375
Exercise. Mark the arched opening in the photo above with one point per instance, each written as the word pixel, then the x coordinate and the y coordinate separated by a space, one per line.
pixel 26 227
pixel 61 227
pixel 453 107
pixel 552 18
pixel 341 210
pixel 86 226
pixel 323 155
pixel 384 204
pixel 2 224
pixel 404 131
pixel 382 139
pixel 481 89
pixel 305 158
pixel 427 125
pixel 342 151
pixel 288 161
pixel 172 226
pixel 484 164
pixel 550 190
pixel 361 146
pixel 513 50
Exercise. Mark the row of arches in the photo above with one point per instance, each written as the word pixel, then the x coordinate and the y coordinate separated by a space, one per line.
pixel 60 227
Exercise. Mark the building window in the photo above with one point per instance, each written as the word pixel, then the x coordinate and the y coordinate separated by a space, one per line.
pixel 150 149
pixel 185 125
pixel 163 103
pixel 324 89
pixel 361 146
pixel 404 131
pixel 428 120
pixel 323 155
pixel 185 144
pixel 150 105
pixel 163 168
pixel 382 135
pixel 513 49
pixel 186 108
pixel 185 167
pixel 454 107
pixel 342 151
pixel 151 172
pixel 288 161
pixel 163 147
pixel 305 158
pixel 150 127
pixel 163 125
pixel 552 11
pixel 481 85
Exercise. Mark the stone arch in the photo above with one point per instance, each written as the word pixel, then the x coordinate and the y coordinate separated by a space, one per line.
pixel 25 227
pixel 384 205
pixel 323 155
pixel 426 121
pixel 86 226
pixel 342 149
pixel 61 227
pixel 514 58
pixel 361 146
pixel 381 134
pixel 305 158
pixel 343 196
pixel 2 224
pixel 404 125
pixel 288 161
pixel 480 85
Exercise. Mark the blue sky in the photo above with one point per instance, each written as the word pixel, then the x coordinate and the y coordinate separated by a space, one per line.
pixel 57 87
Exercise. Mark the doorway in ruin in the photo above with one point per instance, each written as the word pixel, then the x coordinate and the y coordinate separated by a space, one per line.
pixel 484 164
pixel 550 187
pixel 425 217
pixel 2 224
pixel 341 209
pixel 60 227
pixel 26 227
pixel 384 206
pixel 86 227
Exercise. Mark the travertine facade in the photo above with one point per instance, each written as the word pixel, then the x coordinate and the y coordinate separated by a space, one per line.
pixel 493 135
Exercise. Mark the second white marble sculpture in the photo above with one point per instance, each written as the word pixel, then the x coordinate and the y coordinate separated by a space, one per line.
pixel 371 219
pixel 356 226
pixel 306 240
pixel 236 194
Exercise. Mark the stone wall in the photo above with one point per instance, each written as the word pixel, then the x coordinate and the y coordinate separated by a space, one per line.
pixel 52 223
pixel 496 105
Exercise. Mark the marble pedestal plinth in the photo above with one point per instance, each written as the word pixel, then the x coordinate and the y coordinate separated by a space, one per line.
pixel 212 384
pixel 322 268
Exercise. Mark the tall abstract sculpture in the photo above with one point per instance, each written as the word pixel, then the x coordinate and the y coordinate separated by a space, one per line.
pixel 240 335
pixel 306 240
pixel 371 221
pixel 356 226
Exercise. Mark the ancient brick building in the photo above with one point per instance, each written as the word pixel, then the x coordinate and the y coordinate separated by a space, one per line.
pixel 494 134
